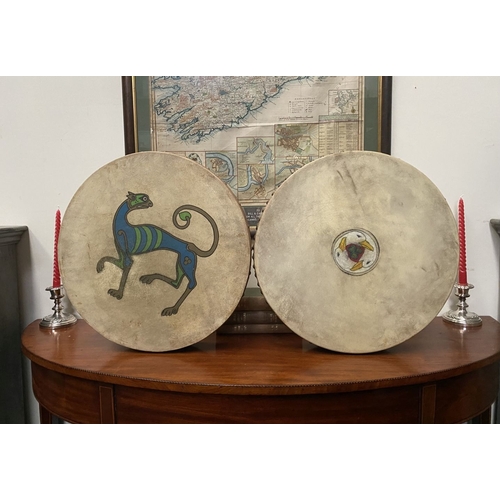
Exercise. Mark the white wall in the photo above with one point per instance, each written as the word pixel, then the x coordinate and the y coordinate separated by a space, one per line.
pixel 449 128
pixel 56 131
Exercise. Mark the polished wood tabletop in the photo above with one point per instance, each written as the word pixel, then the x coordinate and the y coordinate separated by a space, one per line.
pixel 275 370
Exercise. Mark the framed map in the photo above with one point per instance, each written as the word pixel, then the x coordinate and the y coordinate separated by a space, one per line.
pixel 255 131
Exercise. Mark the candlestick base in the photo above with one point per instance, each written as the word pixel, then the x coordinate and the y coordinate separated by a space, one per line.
pixel 460 315
pixel 58 319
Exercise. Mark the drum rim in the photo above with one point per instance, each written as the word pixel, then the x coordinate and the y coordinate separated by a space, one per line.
pixel 238 211
pixel 302 172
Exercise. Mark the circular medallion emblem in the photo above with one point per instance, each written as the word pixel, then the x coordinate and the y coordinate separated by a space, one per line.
pixel 355 251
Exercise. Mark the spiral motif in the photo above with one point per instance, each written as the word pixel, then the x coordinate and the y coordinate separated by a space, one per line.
pixel 462 260
pixel 56 281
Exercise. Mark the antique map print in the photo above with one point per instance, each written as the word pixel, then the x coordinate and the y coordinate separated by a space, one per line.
pixel 255 131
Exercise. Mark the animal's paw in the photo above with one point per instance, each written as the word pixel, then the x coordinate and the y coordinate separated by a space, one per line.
pixel 117 294
pixel 100 266
pixel 147 278
pixel 169 311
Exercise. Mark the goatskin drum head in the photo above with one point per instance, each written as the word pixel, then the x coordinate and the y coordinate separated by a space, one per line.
pixel 357 252
pixel 154 251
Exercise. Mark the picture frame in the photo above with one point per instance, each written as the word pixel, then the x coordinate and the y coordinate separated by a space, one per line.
pixel 313 117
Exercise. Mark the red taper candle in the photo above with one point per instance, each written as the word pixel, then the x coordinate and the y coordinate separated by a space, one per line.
pixel 462 263
pixel 56 280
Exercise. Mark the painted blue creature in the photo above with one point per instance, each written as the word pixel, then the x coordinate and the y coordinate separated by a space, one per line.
pixel 132 240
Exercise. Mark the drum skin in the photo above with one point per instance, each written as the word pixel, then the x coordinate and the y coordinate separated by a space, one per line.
pixel 357 252
pixel 140 273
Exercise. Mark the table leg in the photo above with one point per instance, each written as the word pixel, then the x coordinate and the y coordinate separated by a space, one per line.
pixel 484 418
pixel 106 399
pixel 45 415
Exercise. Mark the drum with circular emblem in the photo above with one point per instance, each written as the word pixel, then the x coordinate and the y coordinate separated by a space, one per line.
pixel 357 252
pixel 154 251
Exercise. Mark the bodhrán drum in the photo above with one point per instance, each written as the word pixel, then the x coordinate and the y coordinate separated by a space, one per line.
pixel 154 251
pixel 357 252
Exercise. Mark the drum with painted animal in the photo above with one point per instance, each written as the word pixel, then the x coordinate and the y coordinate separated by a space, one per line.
pixel 154 251
pixel 357 252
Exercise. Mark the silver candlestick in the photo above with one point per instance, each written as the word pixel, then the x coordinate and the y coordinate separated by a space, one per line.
pixel 460 315
pixel 58 319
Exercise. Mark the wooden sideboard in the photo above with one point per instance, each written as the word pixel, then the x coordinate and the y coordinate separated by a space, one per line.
pixel 11 374
pixel 441 375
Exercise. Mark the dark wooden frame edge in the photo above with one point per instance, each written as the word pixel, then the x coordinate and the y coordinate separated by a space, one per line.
pixel 129 114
